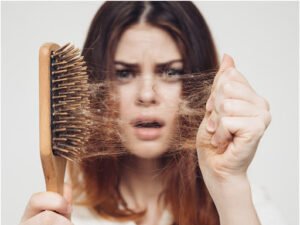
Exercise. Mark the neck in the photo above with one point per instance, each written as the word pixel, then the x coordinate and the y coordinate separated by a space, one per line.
pixel 140 182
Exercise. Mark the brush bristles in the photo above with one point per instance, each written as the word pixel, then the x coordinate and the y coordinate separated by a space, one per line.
pixel 69 102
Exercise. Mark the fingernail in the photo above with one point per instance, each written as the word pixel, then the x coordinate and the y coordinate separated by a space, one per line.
pixel 210 126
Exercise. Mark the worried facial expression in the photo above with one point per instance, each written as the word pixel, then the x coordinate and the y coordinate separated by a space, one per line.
pixel 148 65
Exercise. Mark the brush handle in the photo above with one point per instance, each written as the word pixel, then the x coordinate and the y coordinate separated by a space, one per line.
pixel 53 166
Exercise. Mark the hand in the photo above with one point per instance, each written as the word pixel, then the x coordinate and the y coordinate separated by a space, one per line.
pixel 49 208
pixel 235 120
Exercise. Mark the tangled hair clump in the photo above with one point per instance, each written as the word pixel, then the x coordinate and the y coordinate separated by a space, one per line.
pixel 103 116
pixel 105 152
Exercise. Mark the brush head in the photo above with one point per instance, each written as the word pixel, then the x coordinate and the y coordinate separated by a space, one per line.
pixel 69 102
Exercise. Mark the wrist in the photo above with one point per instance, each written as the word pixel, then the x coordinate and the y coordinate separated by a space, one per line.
pixel 224 191
pixel 235 205
pixel 232 193
pixel 233 199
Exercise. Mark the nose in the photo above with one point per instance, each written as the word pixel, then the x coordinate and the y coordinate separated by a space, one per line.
pixel 146 93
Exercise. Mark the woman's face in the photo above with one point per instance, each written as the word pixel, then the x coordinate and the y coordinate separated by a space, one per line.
pixel 148 64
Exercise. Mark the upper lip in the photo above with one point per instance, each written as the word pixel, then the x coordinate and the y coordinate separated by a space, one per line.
pixel 147 119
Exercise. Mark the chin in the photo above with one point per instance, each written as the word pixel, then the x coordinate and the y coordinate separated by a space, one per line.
pixel 148 150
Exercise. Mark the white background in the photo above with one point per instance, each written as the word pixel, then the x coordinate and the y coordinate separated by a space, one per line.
pixel 261 36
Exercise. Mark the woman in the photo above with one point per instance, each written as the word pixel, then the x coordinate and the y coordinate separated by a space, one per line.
pixel 177 156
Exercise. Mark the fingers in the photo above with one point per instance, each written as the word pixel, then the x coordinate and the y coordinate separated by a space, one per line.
pixel 230 88
pixel 235 90
pixel 47 218
pixel 233 97
pixel 247 128
pixel 48 201
pixel 234 75
pixel 222 137
pixel 227 62
pixel 236 107
pixel 226 120
pixel 212 122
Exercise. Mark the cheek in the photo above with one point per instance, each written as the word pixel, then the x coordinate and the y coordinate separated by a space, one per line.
pixel 170 96
pixel 125 101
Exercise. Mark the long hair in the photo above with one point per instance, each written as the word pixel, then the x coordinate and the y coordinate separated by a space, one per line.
pixel 96 181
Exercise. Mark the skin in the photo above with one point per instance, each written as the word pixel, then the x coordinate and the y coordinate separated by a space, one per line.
pixel 142 91
pixel 145 92
pixel 236 118
pixel 48 208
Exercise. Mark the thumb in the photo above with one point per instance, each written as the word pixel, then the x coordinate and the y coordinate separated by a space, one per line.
pixel 227 62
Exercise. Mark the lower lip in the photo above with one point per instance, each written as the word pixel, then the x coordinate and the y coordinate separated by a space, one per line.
pixel 147 134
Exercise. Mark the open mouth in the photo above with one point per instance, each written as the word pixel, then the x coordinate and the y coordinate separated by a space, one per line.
pixel 148 128
pixel 154 124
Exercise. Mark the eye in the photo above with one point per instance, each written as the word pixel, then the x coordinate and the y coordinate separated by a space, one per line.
pixel 124 74
pixel 171 74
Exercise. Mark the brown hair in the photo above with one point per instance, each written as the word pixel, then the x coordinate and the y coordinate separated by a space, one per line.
pixel 98 177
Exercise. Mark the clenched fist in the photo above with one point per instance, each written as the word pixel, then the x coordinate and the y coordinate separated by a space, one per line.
pixel 235 120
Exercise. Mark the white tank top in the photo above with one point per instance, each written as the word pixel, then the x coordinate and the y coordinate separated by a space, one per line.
pixel 266 211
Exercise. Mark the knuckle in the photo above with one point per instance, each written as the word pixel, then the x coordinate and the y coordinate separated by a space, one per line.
pixel 222 107
pixel 226 88
pixel 226 107
pixel 223 121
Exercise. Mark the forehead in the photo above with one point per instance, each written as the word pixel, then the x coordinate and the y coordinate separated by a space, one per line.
pixel 146 42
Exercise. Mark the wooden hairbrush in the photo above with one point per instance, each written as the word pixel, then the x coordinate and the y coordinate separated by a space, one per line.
pixel 63 99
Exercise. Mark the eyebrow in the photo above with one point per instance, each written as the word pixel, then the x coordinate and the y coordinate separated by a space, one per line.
pixel 134 65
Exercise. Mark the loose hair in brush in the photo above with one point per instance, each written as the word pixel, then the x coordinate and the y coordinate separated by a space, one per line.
pixel 64 103
pixel 96 179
